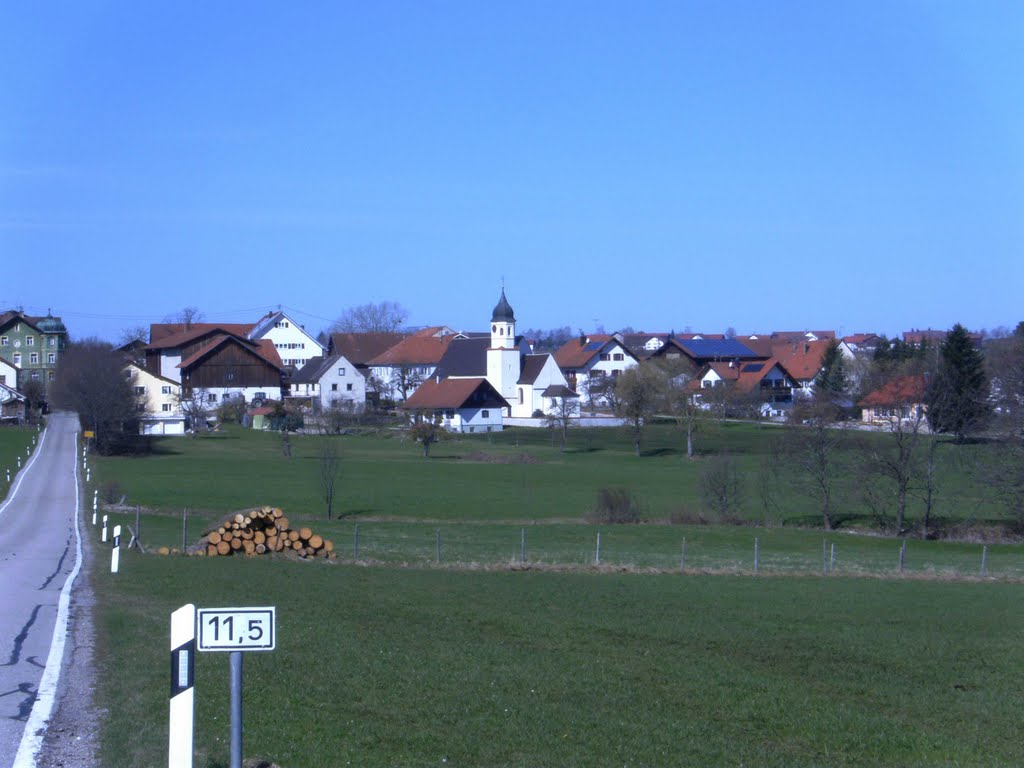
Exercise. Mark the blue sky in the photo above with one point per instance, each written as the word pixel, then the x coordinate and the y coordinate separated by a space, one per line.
pixel 856 166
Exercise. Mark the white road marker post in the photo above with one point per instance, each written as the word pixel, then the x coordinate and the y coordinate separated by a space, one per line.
pixel 756 553
pixel 183 655
pixel 8 476
pixel 19 462
pixel 103 538
pixel 597 550
pixel 115 552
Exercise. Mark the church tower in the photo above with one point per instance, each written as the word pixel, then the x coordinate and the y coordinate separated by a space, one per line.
pixel 502 356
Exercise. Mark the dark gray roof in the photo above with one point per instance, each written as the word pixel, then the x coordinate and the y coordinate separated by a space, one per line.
pixel 531 368
pixel 314 370
pixel 503 311
pixel 559 390
pixel 465 357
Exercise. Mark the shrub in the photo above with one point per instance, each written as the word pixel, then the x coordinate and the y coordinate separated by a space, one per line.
pixel 614 506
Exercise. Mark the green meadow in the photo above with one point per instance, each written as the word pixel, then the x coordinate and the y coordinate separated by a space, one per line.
pixel 472 619
pixel 13 442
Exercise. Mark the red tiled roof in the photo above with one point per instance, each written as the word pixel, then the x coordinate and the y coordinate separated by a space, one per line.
pixel 360 348
pixel 903 390
pixel 861 338
pixel 451 393
pixel 572 354
pixel 170 335
pixel 746 374
pixel 415 350
pixel 801 359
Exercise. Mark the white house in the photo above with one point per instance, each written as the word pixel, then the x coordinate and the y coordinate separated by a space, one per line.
pixel 294 345
pixel 460 405
pixel 327 380
pixel 591 363
pixel 8 373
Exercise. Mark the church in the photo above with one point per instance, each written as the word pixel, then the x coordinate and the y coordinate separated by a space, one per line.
pixel 484 379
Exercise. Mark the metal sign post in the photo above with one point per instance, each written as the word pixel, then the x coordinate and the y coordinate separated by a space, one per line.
pixel 236 630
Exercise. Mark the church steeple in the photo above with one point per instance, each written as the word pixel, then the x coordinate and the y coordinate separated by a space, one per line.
pixel 503 324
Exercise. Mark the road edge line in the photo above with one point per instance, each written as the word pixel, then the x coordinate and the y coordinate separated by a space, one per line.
pixel 24 471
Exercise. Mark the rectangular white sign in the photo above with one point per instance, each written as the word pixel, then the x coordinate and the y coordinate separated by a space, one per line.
pixel 236 629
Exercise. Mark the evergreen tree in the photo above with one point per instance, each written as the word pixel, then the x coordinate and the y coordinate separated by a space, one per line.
pixel 832 380
pixel 957 396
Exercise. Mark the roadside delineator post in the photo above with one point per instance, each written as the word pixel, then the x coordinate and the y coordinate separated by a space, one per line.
pixel 103 538
pixel 115 553
pixel 183 654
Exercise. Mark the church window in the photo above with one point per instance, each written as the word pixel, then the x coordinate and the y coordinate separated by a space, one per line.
pixel 520 395
pixel 494 329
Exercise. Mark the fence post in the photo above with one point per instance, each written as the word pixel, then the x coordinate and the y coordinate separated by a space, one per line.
pixel 682 556
pixel 755 554
pixel 439 545
pixel 903 555
pixel 832 560
pixel 824 556
pixel 984 561
pixel 355 544
pixel 522 546
pixel 597 552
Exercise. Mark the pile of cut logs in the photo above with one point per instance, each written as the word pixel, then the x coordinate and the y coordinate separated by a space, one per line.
pixel 261 531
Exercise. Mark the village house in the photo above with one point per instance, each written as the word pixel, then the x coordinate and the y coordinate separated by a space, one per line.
pixel 330 380
pixel 901 399
pixel 592 364
pixel 400 369
pixel 33 345
pixel 159 401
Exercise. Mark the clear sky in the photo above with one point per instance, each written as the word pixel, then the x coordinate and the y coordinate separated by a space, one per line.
pixel 760 165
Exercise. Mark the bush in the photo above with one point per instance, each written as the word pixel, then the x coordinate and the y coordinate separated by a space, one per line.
pixel 615 506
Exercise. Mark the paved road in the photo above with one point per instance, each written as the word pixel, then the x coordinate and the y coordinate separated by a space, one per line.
pixel 39 549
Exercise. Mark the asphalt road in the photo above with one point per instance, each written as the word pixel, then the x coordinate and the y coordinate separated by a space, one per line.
pixel 39 549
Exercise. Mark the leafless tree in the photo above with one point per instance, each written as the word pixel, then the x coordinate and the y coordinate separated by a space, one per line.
pixel 720 482
pixel 135 333
pixel 682 404
pixel 815 448
pixel 563 414
pixel 641 392
pixel 405 379
pixel 186 317
pixel 193 402
pixel 329 456
pixel 382 317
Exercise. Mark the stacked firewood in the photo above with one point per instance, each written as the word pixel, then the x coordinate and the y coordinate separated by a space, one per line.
pixel 262 531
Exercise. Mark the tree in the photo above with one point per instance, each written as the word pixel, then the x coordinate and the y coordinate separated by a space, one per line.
pixel 186 317
pixel 1005 362
pixel 406 379
pixel 92 381
pixel 957 397
pixel 35 398
pixel 815 449
pixel 382 317
pixel 720 482
pixel 329 457
pixel 564 411
pixel 193 405
pixel 832 381
pixel 681 402
pixel 641 392
pixel 426 432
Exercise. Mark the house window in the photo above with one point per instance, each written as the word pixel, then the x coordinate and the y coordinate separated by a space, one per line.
pixel 30 341
pixel 3 379
pixel 33 359
pixel 260 396
pixel 520 395
pixel 605 356
pixel 348 387
pixel 142 407
pixel 230 376
pixel 165 390
pixel 140 390
pixel 334 387
pixel 17 358
pixel 618 356
pixel 52 376
pixel 51 341
pixel 35 375
pixel 212 398
pixel 4 341
pixel 165 407
pixel 485 414
pixel 51 358
pixel 341 371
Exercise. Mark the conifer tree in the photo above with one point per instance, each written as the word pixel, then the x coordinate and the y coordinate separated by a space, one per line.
pixel 957 396
pixel 832 380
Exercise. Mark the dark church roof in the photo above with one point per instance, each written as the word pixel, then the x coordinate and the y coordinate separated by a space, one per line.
pixel 503 311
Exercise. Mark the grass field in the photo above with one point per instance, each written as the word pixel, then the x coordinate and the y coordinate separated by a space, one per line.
pixel 409 667
pixel 13 442
pixel 387 657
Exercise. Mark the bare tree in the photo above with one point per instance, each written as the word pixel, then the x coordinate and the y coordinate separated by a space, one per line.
pixel 564 412
pixel 382 317
pixel 815 449
pixel 641 392
pixel 133 334
pixel 186 317
pixel 329 456
pixel 193 402
pixel 35 396
pixel 720 482
pixel 897 458
pixel 406 379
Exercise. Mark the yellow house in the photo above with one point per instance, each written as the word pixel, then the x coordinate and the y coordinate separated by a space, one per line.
pixel 158 397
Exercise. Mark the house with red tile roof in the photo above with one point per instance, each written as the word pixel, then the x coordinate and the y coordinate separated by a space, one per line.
pixel 592 363
pixel 459 405
pixel 400 369
pixel 765 385
pixel 902 399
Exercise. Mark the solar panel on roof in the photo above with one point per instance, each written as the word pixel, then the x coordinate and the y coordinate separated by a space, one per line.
pixel 594 346
pixel 752 367
pixel 720 348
